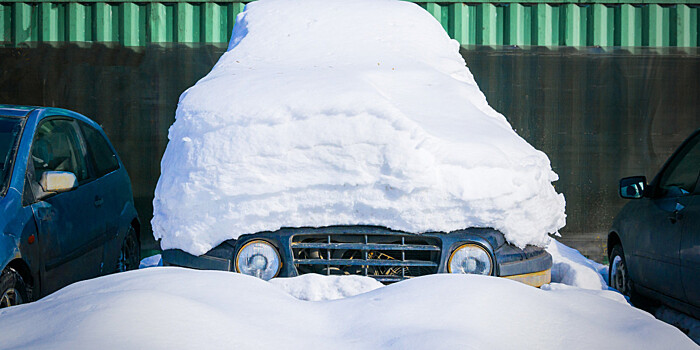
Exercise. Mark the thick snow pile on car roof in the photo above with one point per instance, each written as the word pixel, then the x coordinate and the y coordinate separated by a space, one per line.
pixel 174 308
pixel 345 112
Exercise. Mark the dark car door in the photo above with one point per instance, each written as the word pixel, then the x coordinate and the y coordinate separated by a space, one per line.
pixel 663 220
pixel 690 250
pixel 69 232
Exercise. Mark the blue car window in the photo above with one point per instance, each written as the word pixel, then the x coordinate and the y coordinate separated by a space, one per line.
pixel 684 169
pixel 101 155
pixel 56 148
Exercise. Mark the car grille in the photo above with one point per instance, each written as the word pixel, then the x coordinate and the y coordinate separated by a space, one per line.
pixel 387 258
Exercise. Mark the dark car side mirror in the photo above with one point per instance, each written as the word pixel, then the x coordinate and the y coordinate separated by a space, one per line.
pixel 633 187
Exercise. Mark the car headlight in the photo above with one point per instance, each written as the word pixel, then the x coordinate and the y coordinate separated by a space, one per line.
pixel 259 259
pixel 470 258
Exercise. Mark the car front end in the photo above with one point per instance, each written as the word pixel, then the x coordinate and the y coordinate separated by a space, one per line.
pixel 383 254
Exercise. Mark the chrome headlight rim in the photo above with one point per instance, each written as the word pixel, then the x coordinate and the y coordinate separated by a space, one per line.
pixel 262 241
pixel 474 245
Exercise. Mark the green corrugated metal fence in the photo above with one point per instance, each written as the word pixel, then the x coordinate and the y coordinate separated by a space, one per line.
pixel 634 23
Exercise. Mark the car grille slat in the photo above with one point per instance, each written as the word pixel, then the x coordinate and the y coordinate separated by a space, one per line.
pixel 387 257
pixel 361 262
pixel 368 246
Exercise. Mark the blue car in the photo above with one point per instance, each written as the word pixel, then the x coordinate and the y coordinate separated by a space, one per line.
pixel 654 243
pixel 67 208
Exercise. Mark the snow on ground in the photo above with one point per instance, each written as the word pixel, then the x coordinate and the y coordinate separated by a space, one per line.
pixel 571 268
pixel 687 324
pixel 327 112
pixel 175 308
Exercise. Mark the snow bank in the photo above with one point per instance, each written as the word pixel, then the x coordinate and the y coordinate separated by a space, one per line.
pixel 314 287
pixel 173 308
pixel 326 112
pixel 571 268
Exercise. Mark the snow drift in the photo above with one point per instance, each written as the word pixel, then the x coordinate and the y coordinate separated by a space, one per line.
pixel 345 112
pixel 174 308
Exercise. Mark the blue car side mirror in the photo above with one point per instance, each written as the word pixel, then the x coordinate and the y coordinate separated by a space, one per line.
pixel 633 187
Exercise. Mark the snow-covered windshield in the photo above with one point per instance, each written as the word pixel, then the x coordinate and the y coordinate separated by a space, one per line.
pixel 345 112
pixel 10 129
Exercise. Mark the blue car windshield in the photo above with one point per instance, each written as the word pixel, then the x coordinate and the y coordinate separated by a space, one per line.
pixel 10 131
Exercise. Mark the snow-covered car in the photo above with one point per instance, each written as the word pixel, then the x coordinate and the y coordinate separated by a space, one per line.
pixel 654 242
pixel 349 137
pixel 67 209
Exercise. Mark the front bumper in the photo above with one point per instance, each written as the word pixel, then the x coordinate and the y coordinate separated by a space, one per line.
pixel 531 265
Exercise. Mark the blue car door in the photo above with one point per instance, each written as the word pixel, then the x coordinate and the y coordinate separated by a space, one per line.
pixel 111 190
pixel 664 217
pixel 68 227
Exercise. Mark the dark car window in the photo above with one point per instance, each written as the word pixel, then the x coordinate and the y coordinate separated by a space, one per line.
pixel 99 151
pixel 683 171
pixel 56 147
pixel 10 130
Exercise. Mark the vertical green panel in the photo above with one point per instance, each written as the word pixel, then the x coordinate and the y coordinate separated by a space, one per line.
pixel 171 23
pixel 5 22
pixel 102 14
pixel 210 20
pixel 196 23
pixel 542 23
pixel 500 25
pixel 233 10
pixel 556 11
pixel 572 25
pixel 527 24
pixel 439 12
pixel 223 23
pixel 141 10
pixel 472 24
pixel 129 33
pixel 116 22
pixel 694 26
pixel 184 32
pixel 515 25
pixel 48 22
pixel 599 26
pixel 583 24
pixel 610 17
pixel 75 22
pixel 670 26
pixel 22 23
pixel 487 33
pixel 448 16
pixel 665 26
pixel 157 23
pixel 460 16
pixel 628 28
pixel 654 25
pixel 88 20
pixel 683 31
